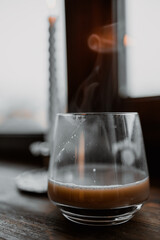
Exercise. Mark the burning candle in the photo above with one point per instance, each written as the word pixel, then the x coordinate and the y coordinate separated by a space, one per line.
pixel 52 74
pixel 57 64
pixel 44 147
pixel 53 101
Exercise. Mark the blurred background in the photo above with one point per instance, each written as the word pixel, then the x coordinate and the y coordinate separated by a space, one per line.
pixel 24 66
pixel 106 51
pixel 23 72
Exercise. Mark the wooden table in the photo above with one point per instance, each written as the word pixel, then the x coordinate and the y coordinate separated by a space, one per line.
pixel 28 216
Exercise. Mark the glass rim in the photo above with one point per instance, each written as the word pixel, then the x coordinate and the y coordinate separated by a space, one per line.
pixel 96 114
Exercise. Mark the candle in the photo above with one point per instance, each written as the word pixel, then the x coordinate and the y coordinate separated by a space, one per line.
pixel 52 76
pixel 57 66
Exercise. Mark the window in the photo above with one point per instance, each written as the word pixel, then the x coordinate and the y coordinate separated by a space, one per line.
pixel 139 37
pixel 139 71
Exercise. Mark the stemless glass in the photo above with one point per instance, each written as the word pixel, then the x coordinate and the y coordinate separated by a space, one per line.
pixel 98 171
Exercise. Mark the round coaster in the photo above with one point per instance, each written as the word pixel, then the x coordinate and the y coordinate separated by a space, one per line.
pixel 35 181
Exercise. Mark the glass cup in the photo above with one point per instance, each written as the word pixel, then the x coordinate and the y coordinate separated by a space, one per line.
pixel 98 171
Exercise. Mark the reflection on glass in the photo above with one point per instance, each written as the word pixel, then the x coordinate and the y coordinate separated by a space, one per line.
pixel 91 55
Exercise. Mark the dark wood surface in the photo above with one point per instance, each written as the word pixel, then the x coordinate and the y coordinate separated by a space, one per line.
pixel 28 216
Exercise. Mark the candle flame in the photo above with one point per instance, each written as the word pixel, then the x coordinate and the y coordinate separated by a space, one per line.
pixel 52 20
pixel 51 4
pixel 128 40
pixel 81 155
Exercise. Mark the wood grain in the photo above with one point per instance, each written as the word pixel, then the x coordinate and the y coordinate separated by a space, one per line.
pixel 29 216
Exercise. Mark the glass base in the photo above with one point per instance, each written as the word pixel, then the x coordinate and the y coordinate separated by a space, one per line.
pixel 105 217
